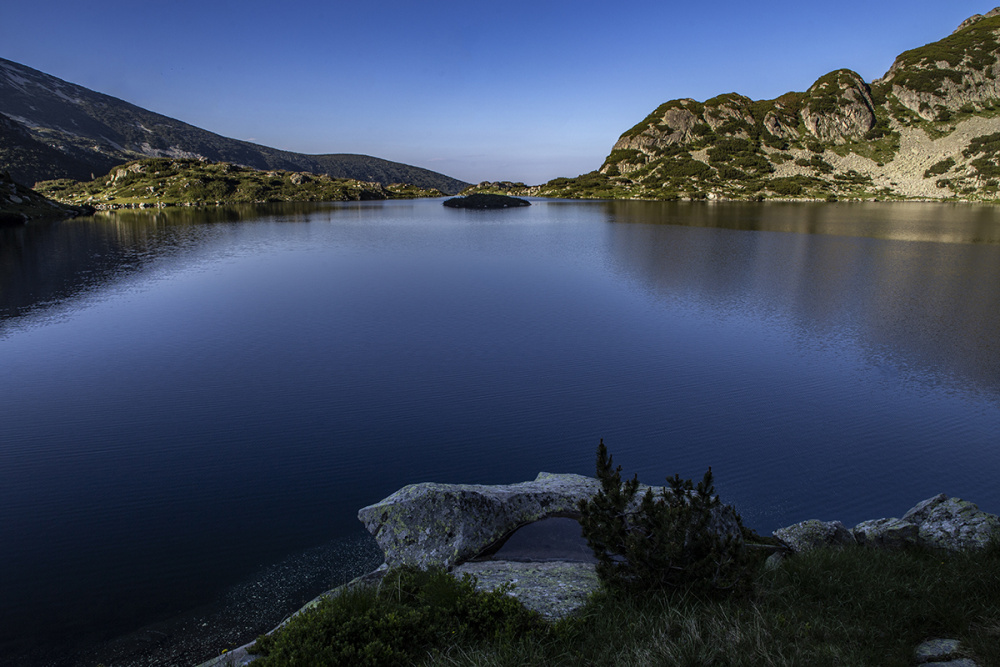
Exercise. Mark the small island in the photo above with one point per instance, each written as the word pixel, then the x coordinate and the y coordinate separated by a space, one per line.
pixel 481 200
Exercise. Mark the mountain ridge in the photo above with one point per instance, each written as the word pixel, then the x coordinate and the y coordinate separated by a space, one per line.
pixel 929 128
pixel 50 128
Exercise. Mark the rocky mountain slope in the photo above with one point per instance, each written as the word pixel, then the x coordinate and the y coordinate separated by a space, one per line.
pixel 928 129
pixel 50 128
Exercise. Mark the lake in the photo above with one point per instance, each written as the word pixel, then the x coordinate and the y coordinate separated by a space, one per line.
pixel 197 402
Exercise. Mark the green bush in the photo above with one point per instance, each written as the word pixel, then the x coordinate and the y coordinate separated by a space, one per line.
pixel 817 163
pixel 792 186
pixel 665 543
pixel 411 613
pixel 939 168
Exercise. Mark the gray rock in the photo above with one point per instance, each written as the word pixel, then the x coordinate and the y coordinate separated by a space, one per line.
pixel 813 534
pixel 446 524
pixel 887 534
pixel 952 524
pixel 775 560
pixel 936 649
pixel 553 589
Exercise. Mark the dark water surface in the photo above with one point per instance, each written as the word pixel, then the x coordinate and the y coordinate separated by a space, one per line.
pixel 196 403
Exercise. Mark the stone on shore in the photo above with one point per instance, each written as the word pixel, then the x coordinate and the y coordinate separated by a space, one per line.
pixel 813 534
pixel 446 524
pixel 941 523
pixel 952 524
pixel 886 533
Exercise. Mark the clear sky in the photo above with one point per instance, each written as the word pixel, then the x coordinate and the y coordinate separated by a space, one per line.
pixel 512 90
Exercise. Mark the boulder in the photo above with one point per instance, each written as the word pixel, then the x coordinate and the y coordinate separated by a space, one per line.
pixel 813 534
pixel 887 534
pixel 952 524
pixel 446 524
pixel 553 589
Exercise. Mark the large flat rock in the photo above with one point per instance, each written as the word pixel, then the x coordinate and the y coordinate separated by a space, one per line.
pixel 554 589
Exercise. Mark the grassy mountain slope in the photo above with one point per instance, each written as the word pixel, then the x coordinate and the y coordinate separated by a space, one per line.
pixel 187 181
pixel 928 129
pixel 92 133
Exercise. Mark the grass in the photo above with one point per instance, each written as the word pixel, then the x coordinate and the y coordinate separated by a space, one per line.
pixel 849 607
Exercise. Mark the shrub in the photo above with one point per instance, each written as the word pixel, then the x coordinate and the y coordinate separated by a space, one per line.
pixel 817 163
pixel 939 168
pixel 666 542
pixel 410 613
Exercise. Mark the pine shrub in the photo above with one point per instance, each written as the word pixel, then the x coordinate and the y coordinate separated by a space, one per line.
pixel 667 541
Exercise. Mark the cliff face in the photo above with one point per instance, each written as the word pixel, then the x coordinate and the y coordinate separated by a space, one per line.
pixel 929 129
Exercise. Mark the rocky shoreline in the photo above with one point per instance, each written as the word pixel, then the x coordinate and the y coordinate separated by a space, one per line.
pixel 463 527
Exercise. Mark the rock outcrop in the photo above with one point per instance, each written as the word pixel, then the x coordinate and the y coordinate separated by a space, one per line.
pixel 839 108
pixel 448 524
pixel 940 523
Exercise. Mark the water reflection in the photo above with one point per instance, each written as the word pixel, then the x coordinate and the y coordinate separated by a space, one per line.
pixel 47 263
pixel 898 221
pixel 920 310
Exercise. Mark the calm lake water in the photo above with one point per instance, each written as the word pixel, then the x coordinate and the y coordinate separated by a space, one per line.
pixel 196 403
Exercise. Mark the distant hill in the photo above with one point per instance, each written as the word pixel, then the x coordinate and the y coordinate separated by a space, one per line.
pixel 50 129
pixel 928 129
pixel 154 182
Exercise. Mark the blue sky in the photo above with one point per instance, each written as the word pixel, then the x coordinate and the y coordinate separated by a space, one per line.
pixel 514 90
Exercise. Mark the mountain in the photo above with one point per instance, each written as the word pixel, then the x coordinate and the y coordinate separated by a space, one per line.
pixel 50 128
pixel 928 129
